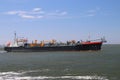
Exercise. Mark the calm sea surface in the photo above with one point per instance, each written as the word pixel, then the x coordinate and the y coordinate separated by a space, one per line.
pixel 84 65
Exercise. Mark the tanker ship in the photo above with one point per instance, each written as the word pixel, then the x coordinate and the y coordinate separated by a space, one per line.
pixel 22 45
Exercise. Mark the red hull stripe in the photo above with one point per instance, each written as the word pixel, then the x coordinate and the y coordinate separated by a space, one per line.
pixel 91 43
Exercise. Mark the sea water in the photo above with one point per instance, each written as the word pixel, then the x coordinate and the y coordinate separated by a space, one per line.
pixel 80 65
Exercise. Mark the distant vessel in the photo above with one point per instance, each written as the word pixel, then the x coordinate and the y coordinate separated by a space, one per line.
pixel 22 45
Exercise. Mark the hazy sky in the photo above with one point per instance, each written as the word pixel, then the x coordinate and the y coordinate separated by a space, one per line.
pixel 60 19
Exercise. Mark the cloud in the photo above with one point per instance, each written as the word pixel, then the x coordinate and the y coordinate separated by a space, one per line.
pixel 30 16
pixel 63 13
pixel 91 15
pixel 37 9
pixel 15 12
pixel 36 13
pixel 93 12
pixel 57 13
pixel 12 12
pixel 39 13
pixel 27 16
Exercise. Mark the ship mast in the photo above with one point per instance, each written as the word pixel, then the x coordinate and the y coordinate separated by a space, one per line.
pixel 15 40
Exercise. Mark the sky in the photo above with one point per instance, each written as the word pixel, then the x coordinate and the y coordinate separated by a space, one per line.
pixel 61 20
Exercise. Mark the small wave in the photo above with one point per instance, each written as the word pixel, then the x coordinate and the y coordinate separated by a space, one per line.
pixel 21 76
pixel 32 71
pixel 9 73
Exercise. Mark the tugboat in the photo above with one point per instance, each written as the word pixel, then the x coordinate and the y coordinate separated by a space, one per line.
pixel 22 45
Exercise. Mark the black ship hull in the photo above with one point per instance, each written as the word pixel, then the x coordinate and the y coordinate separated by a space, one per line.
pixel 80 47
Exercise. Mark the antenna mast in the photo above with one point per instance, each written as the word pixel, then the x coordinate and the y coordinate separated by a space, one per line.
pixel 15 37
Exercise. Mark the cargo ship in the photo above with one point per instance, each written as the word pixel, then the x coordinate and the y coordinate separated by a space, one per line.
pixel 22 45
